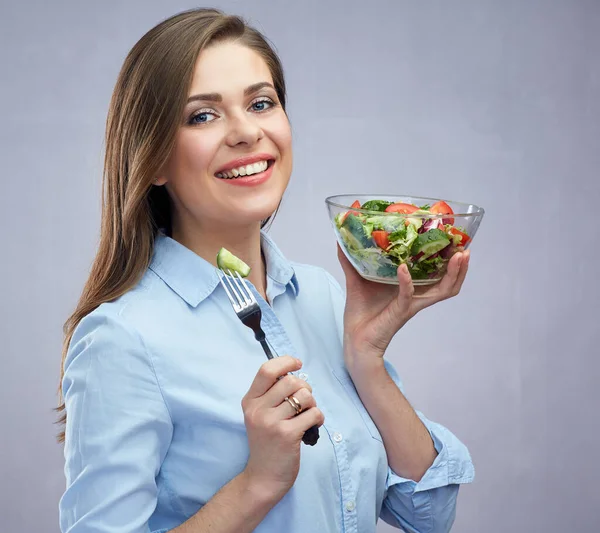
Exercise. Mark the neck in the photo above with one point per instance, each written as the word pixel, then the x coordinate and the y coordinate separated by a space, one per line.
pixel 242 241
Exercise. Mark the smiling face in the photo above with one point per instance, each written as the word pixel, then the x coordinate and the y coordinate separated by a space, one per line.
pixel 232 158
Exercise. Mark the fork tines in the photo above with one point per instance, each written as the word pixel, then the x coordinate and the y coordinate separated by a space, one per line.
pixel 239 293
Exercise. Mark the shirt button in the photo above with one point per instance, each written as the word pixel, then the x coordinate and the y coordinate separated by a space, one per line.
pixel 350 506
pixel 303 376
pixel 337 437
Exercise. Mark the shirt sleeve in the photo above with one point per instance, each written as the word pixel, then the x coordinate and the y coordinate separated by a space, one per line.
pixel 117 433
pixel 428 506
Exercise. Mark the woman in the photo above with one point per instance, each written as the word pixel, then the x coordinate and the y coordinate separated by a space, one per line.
pixel 174 421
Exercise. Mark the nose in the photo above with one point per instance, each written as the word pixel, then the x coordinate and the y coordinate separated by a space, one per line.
pixel 243 130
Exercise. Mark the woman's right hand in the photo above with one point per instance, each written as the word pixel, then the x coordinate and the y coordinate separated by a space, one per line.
pixel 274 430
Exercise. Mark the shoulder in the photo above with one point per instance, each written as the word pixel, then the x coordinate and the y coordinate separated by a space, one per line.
pixel 117 323
pixel 316 278
pixel 134 308
pixel 321 294
pixel 108 351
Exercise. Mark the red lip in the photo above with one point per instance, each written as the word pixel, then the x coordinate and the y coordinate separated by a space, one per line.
pixel 247 160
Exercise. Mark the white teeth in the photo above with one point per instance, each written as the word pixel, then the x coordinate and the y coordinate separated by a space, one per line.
pixel 247 170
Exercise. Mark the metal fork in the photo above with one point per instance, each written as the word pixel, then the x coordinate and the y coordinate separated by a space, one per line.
pixel 245 306
pixel 248 311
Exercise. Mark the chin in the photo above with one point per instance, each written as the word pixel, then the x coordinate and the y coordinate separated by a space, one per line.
pixel 248 214
pixel 262 214
pixel 259 208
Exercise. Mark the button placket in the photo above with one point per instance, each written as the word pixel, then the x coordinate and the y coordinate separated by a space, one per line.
pixel 277 337
pixel 346 486
pixel 280 341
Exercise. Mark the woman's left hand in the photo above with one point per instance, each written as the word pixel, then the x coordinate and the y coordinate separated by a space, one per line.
pixel 375 312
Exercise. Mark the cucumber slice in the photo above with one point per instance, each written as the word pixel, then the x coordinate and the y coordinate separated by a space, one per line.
pixel 350 239
pixel 429 243
pixel 226 260
pixel 354 226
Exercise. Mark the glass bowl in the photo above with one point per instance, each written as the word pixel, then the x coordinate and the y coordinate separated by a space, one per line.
pixel 377 233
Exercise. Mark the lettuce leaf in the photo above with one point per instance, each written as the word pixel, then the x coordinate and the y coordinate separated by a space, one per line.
pixel 385 222
pixel 424 269
pixel 401 242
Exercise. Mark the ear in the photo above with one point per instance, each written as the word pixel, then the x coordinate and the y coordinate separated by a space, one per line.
pixel 159 181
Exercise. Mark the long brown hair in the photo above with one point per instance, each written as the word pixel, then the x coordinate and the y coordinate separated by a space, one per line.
pixel 144 116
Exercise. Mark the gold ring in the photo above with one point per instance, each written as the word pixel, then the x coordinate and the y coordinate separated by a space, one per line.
pixel 293 401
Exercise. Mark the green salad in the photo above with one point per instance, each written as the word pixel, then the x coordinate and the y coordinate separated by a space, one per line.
pixel 380 243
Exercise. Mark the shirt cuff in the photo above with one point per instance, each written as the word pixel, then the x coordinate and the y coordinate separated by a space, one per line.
pixel 453 464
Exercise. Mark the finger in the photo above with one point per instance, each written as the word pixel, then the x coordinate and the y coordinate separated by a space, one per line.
pixel 284 410
pixel 406 288
pixel 464 268
pixel 286 386
pixel 443 289
pixel 269 372
pixel 445 286
pixel 305 420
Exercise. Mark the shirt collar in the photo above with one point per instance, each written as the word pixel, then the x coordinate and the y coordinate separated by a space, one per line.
pixel 279 269
pixel 194 279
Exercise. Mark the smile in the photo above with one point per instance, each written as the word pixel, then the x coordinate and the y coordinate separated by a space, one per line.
pixel 245 170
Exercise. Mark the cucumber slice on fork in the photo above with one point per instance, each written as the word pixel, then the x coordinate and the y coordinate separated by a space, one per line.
pixel 227 261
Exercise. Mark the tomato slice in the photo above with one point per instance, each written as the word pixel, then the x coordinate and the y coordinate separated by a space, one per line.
pixel 405 209
pixel 356 205
pixel 464 238
pixel 381 238
pixel 442 208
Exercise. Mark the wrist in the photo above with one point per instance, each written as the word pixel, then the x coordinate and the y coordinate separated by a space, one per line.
pixel 362 353
pixel 365 366
pixel 260 492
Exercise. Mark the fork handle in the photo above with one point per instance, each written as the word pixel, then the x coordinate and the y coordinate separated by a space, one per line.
pixel 265 346
pixel 311 435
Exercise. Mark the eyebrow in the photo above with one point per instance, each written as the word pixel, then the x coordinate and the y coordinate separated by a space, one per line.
pixel 216 97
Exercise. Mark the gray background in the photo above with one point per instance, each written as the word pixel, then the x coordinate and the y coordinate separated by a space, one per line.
pixel 491 102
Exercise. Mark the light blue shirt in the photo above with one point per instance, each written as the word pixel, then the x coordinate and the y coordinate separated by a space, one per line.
pixel 153 385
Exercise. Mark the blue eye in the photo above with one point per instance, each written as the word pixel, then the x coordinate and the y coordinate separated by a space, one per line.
pixel 262 105
pixel 202 117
